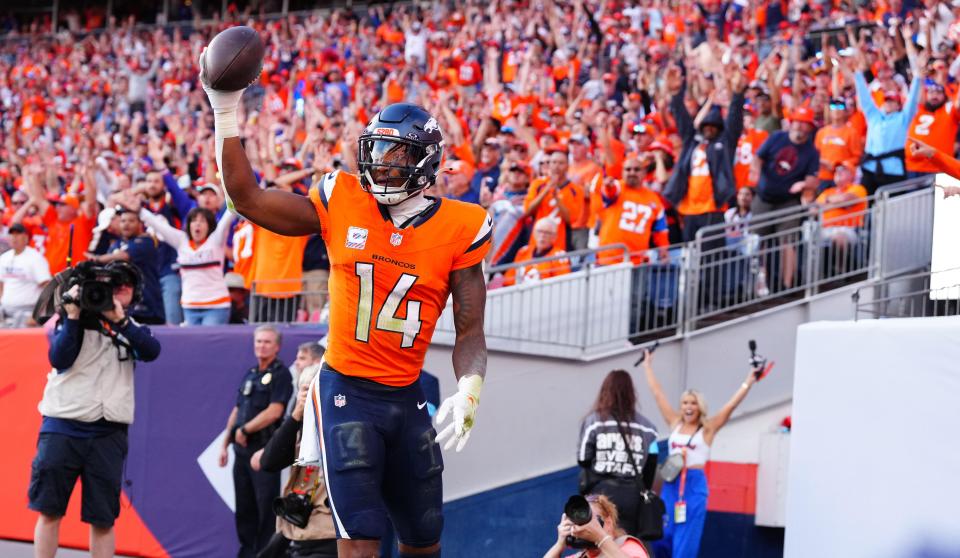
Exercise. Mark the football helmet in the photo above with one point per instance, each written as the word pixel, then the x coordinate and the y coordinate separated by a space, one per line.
pixel 400 153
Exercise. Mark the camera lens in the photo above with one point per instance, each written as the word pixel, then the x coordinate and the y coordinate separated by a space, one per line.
pixel 578 510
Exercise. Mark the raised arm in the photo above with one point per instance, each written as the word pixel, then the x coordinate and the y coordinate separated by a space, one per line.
pixel 716 422
pixel 171 235
pixel 282 212
pixel 670 415
pixel 223 227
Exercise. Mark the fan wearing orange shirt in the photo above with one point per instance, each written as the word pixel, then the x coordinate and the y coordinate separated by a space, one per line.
pixel 935 124
pixel 60 212
pixel 555 195
pixel 840 224
pixel 633 215
pixel 750 141
pixel 702 181
pixel 583 171
pixel 838 142
pixel 542 245
pixel 395 257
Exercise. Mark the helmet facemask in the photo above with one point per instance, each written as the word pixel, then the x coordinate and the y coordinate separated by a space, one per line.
pixel 394 169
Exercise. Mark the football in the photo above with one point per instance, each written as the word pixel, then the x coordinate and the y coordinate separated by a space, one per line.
pixel 233 59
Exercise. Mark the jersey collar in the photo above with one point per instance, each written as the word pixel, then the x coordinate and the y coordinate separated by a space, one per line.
pixel 416 220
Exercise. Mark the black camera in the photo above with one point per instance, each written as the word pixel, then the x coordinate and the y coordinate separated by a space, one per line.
pixel 578 511
pixel 294 508
pixel 96 284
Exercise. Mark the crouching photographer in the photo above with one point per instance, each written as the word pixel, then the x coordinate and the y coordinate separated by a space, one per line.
pixel 590 523
pixel 304 520
pixel 88 401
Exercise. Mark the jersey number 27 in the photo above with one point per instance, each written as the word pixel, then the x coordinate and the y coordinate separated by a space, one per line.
pixel 387 319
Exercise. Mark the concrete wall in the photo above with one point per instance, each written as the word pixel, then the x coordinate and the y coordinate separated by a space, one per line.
pixel 531 407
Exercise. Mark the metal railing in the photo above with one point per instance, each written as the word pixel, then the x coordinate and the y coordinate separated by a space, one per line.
pixel 909 296
pixel 649 304
pixel 285 300
pixel 798 252
pixel 728 270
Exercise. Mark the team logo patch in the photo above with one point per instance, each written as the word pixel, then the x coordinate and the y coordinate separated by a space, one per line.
pixel 356 238
pixel 386 131
pixel 396 238
pixel 339 400
pixel 431 125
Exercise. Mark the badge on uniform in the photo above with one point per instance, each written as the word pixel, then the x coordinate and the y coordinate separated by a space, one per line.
pixel 680 512
pixel 396 238
pixel 339 400
pixel 266 378
pixel 356 238
pixel 247 388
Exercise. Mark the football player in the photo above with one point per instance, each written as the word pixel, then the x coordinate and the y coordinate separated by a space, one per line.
pixel 395 254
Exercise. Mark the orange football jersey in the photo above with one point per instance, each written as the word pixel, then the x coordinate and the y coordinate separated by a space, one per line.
pixel 631 216
pixel 388 285
pixel 747 147
pixel 938 129
pixel 243 252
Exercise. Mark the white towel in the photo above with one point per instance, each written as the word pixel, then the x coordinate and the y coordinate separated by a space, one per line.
pixel 310 452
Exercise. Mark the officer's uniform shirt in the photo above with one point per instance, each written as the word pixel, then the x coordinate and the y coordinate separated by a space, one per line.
pixel 257 391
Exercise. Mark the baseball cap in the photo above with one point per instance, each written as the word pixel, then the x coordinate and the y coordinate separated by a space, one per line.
pixel 802 114
pixel 662 146
pixel 292 162
pixel 207 187
pixel 580 138
pixel 847 165
pixel 65 199
pixel 17 228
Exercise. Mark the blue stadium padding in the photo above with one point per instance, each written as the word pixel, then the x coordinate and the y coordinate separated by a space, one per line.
pixel 521 519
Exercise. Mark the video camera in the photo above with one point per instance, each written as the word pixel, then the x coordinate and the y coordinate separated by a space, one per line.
pixel 578 511
pixel 96 283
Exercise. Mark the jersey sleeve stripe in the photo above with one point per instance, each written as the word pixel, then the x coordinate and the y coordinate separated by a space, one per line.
pixel 480 242
pixel 329 181
pixel 485 229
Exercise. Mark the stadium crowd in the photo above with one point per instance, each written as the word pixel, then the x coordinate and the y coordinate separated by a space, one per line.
pixel 576 123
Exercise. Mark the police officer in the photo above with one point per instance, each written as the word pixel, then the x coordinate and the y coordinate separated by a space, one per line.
pixel 261 401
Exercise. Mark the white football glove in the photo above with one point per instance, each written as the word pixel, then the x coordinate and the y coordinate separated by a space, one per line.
pixel 464 406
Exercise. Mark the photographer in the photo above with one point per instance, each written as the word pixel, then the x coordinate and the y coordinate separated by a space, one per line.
pixel 602 533
pixel 88 404
pixel 304 520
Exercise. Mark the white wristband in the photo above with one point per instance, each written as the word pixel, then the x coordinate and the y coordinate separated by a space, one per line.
pixel 225 123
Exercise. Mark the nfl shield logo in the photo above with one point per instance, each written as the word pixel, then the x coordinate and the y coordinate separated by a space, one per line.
pixel 339 400
pixel 396 239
